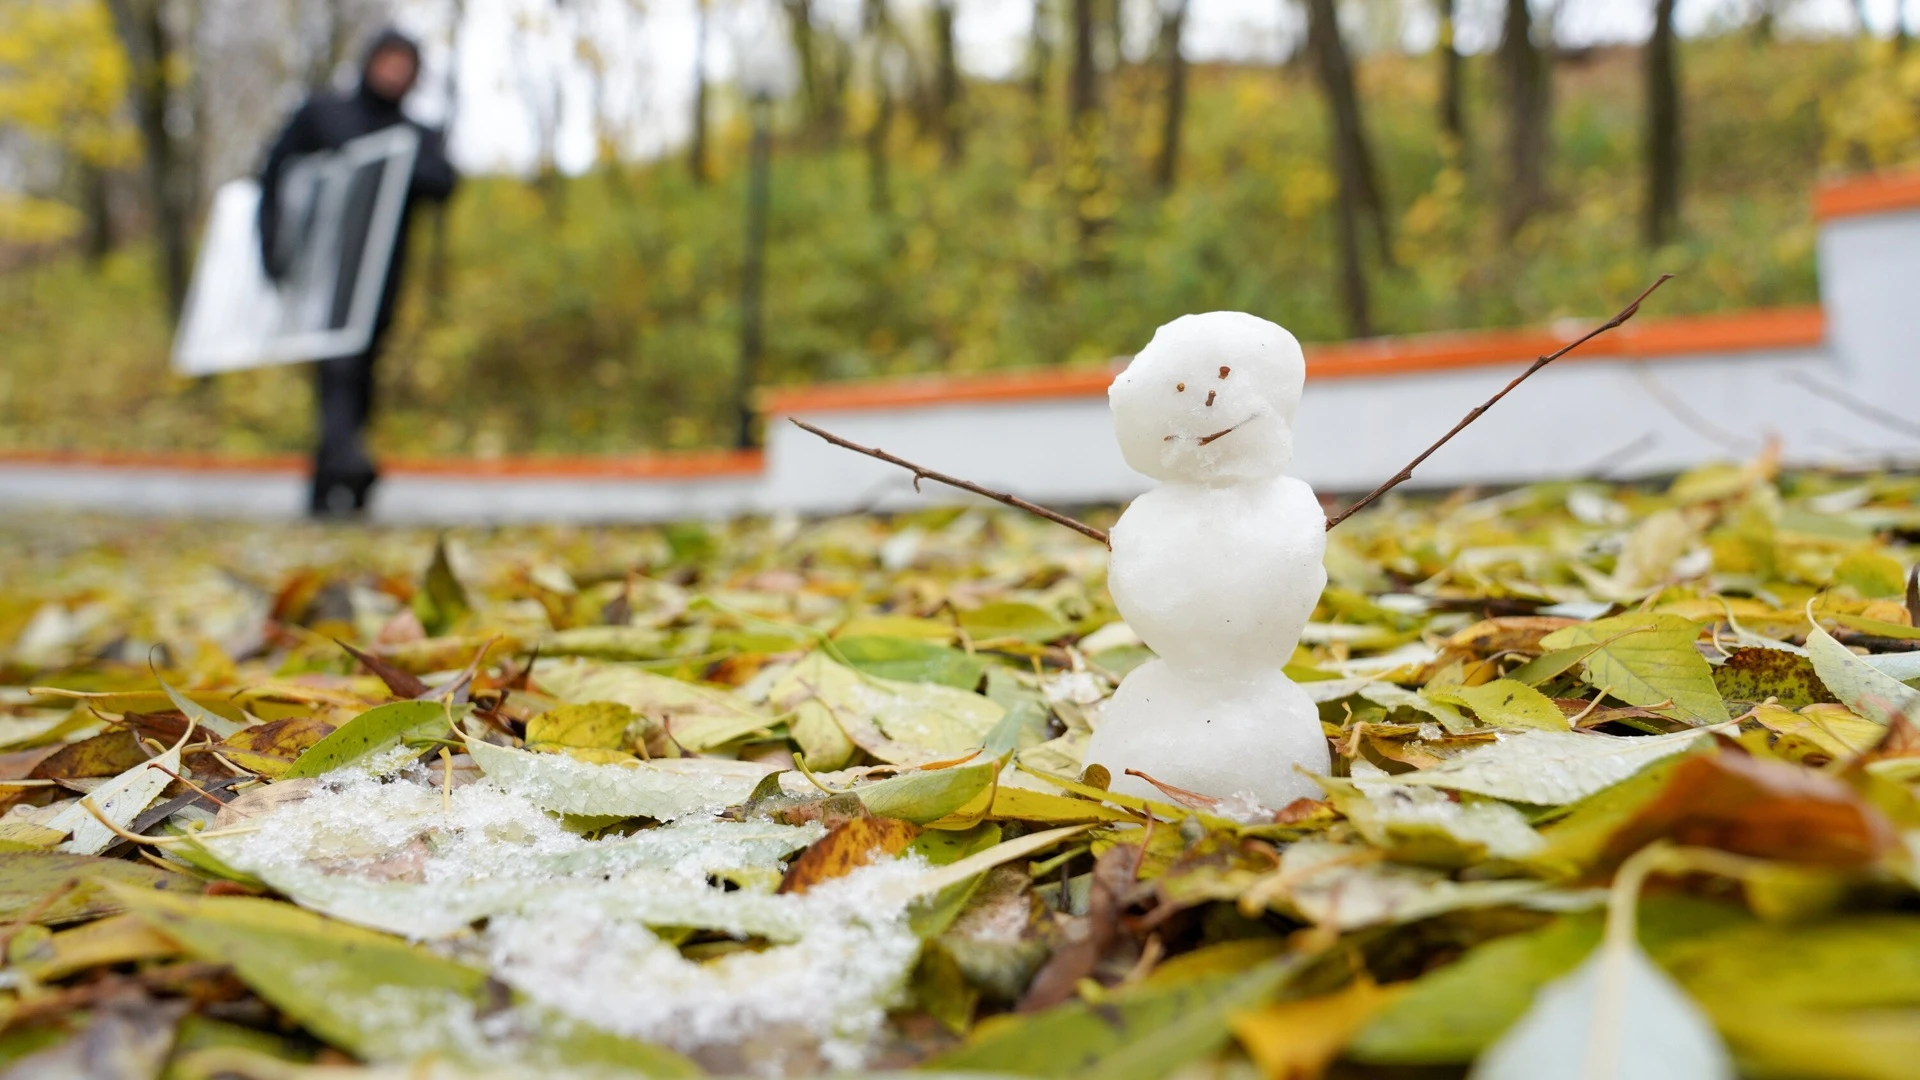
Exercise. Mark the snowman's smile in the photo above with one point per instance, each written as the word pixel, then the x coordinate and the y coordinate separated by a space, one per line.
pixel 1202 440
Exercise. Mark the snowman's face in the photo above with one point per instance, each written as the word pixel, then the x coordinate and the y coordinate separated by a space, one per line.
pixel 1210 400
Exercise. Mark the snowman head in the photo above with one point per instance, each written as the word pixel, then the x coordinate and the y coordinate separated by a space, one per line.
pixel 1210 400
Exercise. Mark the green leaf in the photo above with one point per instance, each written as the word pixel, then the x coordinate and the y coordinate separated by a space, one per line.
pixel 442 602
pixel 925 795
pixel 212 721
pixel 664 788
pixel 1008 619
pixel 1648 661
pixel 1143 1034
pixel 1859 686
pixel 1451 1014
pixel 910 660
pixel 1506 703
pixel 897 722
pixel 1391 697
pixel 381 728
pixel 27 878
pixel 377 996
pixel 699 718
pixel 1550 768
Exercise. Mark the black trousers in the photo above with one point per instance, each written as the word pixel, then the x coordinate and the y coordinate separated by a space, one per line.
pixel 343 473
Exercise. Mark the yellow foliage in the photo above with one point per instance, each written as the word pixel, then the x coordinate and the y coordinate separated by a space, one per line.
pixel 63 78
pixel 1874 120
pixel 29 221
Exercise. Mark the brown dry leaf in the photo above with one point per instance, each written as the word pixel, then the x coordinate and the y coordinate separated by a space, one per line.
pixel 847 846
pixel 107 754
pixel 1507 633
pixel 1297 1040
pixel 1766 809
pixel 1089 937
pixel 271 748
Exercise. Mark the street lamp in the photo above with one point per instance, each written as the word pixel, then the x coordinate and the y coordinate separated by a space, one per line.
pixel 766 75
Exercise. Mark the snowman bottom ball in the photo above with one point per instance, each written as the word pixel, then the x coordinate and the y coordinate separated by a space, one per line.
pixel 1219 737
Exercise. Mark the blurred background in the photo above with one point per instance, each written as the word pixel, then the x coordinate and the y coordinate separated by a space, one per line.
pixel 953 186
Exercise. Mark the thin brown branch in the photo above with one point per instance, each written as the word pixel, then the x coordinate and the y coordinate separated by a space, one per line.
pixel 1406 473
pixel 921 472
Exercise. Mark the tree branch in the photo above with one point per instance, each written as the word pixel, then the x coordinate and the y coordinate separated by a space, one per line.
pixel 1406 473
pixel 922 473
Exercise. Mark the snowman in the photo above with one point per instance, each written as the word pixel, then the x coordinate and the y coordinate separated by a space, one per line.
pixel 1217 568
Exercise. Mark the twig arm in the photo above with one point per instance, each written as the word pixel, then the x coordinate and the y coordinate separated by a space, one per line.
pixel 1406 472
pixel 921 472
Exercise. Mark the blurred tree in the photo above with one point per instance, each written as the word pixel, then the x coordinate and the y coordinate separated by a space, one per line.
pixel 158 69
pixel 1529 86
pixel 1083 86
pixel 63 83
pixel 1039 50
pixel 1173 18
pixel 1662 211
pixel 1359 191
pixel 331 35
pixel 878 30
pixel 1453 71
pixel 697 162
pixel 946 84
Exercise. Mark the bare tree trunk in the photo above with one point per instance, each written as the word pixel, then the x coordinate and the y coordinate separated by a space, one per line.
pixel 1086 167
pixel 697 163
pixel 1663 128
pixel 95 198
pixel 1350 159
pixel 879 171
pixel 437 261
pixel 1524 62
pixel 947 84
pixel 1083 88
pixel 1173 22
pixel 142 27
pixel 812 92
pixel 1039 51
pixel 1453 71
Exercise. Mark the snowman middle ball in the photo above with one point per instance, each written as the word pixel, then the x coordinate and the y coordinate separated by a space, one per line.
pixel 1217 569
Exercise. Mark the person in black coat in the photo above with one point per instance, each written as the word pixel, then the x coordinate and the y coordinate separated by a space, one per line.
pixel 343 473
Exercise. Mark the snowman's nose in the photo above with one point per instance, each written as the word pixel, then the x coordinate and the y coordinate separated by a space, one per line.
pixel 1210 394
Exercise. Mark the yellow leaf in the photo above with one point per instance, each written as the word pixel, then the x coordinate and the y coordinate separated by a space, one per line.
pixel 1296 1040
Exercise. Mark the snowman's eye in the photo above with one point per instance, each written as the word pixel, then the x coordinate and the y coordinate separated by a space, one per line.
pixel 1181 387
pixel 1225 371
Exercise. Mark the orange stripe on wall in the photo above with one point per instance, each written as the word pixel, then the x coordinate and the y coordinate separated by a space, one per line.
pixel 1867 195
pixel 1766 328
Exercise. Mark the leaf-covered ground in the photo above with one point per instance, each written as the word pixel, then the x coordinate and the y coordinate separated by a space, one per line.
pixel 784 797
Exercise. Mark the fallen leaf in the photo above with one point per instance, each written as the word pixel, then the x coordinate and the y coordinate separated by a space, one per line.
pixel 1754 675
pixel 1550 768
pixel 1649 661
pixel 1764 809
pixel 1616 1017
pixel 375 738
pixel 1298 1039
pixel 846 846
pixel 1506 703
pixel 662 789
pixel 1863 688
pixel 1141 1034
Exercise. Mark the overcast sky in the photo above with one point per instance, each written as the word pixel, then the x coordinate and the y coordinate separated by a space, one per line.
pixel 512 64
